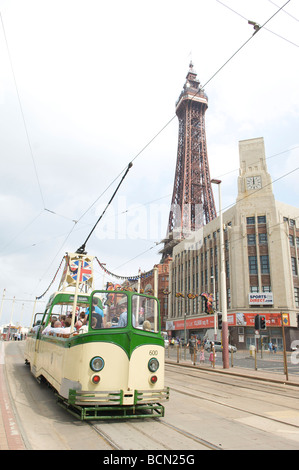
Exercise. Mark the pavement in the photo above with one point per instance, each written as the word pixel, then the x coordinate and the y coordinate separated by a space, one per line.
pixel 10 434
pixel 260 374
pixel 10 428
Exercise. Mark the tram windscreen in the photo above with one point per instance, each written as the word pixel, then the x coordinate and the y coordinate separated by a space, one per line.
pixel 112 310
pixel 109 311
pixel 145 311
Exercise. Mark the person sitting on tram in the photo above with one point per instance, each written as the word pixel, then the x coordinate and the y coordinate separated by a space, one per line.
pixel 49 326
pixel 99 320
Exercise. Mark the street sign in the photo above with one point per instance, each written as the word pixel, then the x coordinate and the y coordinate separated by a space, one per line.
pixel 285 319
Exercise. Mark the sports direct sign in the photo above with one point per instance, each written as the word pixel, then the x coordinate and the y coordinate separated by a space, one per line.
pixel 261 298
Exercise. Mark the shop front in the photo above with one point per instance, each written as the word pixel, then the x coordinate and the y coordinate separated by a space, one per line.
pixel 242 333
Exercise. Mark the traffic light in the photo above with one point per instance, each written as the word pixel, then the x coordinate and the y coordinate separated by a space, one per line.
pixel 260 322
pixel 263 322
pixel 219 321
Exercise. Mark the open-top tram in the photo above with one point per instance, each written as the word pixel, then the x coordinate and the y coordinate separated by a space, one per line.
pixel 109 363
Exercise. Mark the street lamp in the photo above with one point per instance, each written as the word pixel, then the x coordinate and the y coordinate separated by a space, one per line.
pixel 223 284
pixel 214 308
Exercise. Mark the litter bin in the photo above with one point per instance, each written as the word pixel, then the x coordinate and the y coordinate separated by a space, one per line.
pixel 251 350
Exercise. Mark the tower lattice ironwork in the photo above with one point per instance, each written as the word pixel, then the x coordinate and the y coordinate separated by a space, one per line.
pixel 192 202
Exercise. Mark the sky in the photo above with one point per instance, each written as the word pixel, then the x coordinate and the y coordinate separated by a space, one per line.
pixel 88 86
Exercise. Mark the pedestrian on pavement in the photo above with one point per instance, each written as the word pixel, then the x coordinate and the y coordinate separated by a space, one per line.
pixel 211 357
pixel 202 355
pixel 192 347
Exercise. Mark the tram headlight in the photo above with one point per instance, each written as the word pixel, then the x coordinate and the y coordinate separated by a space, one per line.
pixel 97 363
pixel 153 364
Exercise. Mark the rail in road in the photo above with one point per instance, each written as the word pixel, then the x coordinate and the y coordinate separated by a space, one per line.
pixel 206 411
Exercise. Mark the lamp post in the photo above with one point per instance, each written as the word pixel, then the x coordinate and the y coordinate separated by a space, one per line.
pixel 223 284
pixel 214 308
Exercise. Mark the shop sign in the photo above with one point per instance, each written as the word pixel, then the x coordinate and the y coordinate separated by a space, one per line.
pixel 260 298
pixel 233 319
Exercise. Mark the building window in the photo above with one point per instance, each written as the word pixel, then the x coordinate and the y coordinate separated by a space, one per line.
pixel 228 299
pixel 252 264
pixel 296 291
pixel 250 220
pixel 294 266
pixel 265 264
pixel 251 239
pixel 262 238
pixel 254 289
pixel 266 288
pixel 261 219
pixel 227 268
pixel 291 240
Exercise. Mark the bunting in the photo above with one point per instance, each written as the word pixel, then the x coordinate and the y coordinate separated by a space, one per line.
pixel 208 299
pixel 128 278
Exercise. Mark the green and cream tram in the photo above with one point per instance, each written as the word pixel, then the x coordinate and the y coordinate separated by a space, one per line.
pixel 110 365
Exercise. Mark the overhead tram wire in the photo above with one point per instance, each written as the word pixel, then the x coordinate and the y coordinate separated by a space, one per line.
pixel 210 79
pixel 267 29
pixel 22 114
pixel 174 116
pixel 156 135
pixel 81 249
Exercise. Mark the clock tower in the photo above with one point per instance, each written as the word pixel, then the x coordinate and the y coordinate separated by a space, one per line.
pixel 254 179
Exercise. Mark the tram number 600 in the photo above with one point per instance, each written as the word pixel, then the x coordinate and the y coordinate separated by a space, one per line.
pixel 153 352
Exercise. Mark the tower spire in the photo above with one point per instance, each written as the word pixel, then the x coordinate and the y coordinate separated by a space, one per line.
pixel 192 201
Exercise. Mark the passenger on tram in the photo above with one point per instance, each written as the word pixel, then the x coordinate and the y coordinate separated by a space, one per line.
pixel 56 328
pixel 147 326
pixel 67 328
pixel 96 307
pixel 50 325
pixel 95 316
pixel 36 327
pixel 123 319
pixel 81 321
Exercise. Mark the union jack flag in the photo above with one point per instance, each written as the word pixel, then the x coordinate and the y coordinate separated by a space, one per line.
pixel 86 271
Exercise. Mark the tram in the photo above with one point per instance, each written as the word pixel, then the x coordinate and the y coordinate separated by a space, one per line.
pixel 109 362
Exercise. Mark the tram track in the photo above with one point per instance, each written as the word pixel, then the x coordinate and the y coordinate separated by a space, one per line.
pixel 142 432
pixel 107 439
pixel 200 396
pixel 197 439
pixel 279 389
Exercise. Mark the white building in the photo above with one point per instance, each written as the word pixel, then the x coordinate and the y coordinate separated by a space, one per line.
pixel 261 244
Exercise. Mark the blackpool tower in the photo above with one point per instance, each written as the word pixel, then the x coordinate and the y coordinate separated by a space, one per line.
pixel 192 202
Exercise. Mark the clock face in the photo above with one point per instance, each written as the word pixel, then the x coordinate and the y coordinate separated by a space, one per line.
pixel 254 182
